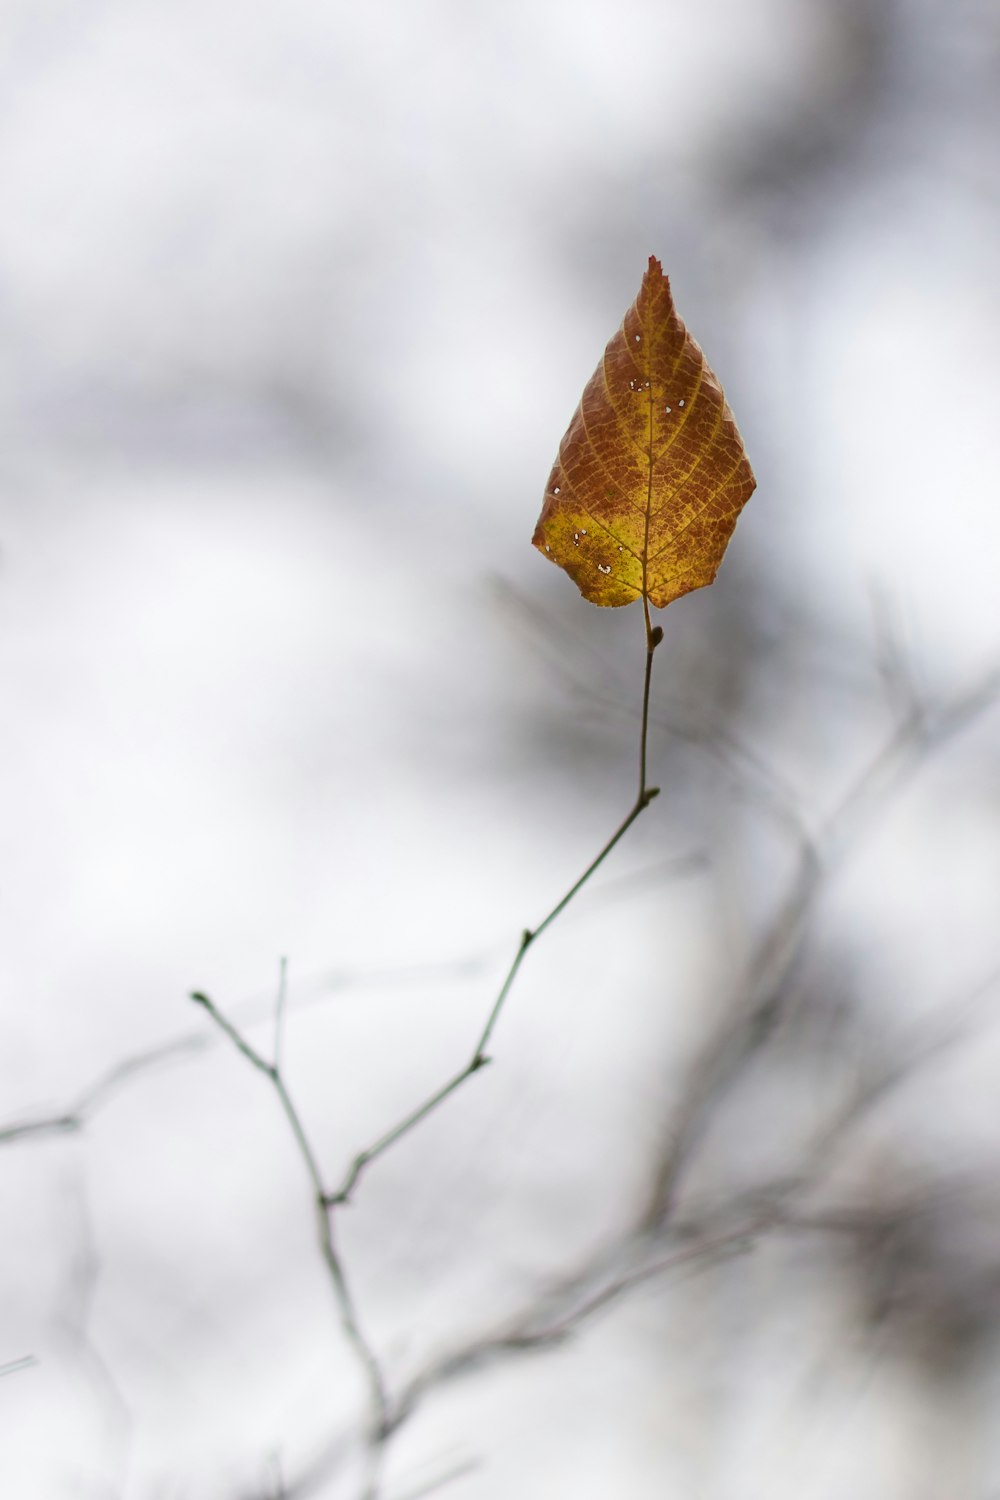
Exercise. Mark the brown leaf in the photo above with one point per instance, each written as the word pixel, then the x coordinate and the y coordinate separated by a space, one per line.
pixel 651 475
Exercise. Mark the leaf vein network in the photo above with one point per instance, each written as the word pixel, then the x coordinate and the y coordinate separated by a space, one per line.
pixel 678 426
pixel 641 453
pixel 609 472
pixel 700 510
pixel 616 539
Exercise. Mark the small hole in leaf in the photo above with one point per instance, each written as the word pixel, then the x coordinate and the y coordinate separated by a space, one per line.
pixel 638 338
pixel 668 409
pixel 680 403
pixel 556 490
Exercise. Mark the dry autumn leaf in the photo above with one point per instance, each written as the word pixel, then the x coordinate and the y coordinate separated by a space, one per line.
pixel 651 475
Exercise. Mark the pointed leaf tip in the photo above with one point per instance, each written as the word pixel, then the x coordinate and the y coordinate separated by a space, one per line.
pixel 651 475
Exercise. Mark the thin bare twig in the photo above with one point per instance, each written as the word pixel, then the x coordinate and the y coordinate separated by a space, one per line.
pixel 388 1417
pixel 75 1116
pixel 479 1059
pixel 279 1013
pixel 324 1226
pixel 643 1252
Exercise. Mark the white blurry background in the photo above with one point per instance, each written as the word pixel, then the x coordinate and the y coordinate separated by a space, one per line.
pixel 295 304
